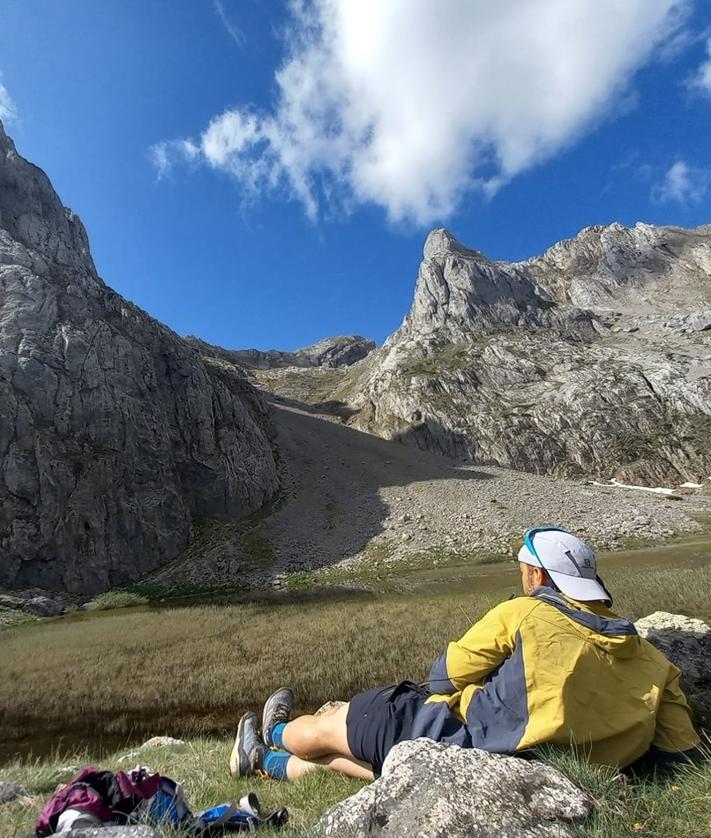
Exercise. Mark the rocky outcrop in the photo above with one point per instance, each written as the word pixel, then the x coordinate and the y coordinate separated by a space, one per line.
pixel 433 790
pixel 34 603
pixel 114 433
pixel 341 351
pixel 594 358
pixel 687 643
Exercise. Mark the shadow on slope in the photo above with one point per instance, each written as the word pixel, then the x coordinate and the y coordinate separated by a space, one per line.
pixel 331 507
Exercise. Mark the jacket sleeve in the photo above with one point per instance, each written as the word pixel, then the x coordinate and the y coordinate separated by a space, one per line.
pixel 674 735
pixel 482 650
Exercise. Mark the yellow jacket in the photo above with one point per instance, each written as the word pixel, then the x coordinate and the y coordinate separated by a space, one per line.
pixel 545 668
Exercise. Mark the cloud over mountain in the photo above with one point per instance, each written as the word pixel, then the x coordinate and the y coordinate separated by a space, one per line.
pixel 409 104
pixel 682 183
pixel 7 106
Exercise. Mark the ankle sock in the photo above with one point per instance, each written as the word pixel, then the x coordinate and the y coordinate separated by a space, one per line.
pixel 274 764
pixel 277 733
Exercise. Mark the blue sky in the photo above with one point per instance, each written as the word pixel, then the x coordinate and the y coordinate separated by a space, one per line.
pixel 265 173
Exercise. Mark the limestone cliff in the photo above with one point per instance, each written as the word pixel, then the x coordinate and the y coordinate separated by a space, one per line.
pixel 594 358
pixel 114 433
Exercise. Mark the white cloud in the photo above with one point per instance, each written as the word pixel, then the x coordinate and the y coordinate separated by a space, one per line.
pixel 233 30
pixel 701 80
pixel 410 104
pixel 683 184
pixel 8 111
pixel 169 153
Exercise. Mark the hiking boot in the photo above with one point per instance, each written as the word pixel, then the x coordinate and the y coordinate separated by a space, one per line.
pixel 247 754
pixel 277 709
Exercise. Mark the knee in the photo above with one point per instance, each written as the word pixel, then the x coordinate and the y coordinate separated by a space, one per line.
pixel 307 736
pixel 321 733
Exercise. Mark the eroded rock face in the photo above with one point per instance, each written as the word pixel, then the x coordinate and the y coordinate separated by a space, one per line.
pixel 594 358
pixel 687 643
pixel 114 433
pixel 432 790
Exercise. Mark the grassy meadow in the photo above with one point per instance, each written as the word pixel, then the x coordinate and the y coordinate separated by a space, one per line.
pixel 86 686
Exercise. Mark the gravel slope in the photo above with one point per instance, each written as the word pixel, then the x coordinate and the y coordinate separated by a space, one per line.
pixel 349 496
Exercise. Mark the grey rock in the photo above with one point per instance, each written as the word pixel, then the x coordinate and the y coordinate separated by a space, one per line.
pixel 579 361
pixel 38 606
pixel 430 789
pixel 115 434
pixel 687 643
pixel 42 606
pixel 700 321
pixel 9 792
pixel 340 351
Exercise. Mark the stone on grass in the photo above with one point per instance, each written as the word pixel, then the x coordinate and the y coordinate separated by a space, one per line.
pixel 687 643
pixel 432 790
pixel 153 742
pixel 162 742
pixel 10 792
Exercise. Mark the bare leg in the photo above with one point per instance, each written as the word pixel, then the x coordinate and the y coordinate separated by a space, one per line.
pixel 296 768
pixel 311 737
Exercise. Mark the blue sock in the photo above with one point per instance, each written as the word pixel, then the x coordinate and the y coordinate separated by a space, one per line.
pixel 275 764
pixel 277 733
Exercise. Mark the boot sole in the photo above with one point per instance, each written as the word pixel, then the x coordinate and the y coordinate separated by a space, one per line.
pixel 234 756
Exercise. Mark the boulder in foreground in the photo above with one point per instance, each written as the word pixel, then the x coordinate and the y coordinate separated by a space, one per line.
pixel 431 789
pixel 687 643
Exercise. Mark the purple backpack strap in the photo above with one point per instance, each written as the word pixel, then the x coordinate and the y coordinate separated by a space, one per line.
pixel 139 784
pixel 77 794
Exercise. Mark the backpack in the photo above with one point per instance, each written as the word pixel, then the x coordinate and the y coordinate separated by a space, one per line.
pixel 105 797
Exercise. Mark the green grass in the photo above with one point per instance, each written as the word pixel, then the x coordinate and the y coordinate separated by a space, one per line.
pixel 10 617
pixel 192 670
pixel 676 803
pixel 379 569
pixel 201 766
pixel 451 357
pixel 116 599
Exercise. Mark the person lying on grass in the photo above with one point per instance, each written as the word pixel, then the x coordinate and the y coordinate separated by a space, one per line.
pixel 553 666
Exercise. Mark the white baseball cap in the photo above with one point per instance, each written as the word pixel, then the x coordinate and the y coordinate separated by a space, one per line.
pixel 569 562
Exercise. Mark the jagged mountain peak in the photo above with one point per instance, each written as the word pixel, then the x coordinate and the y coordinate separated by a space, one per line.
pixel 441 242
pixel 591 358
pixel 461 293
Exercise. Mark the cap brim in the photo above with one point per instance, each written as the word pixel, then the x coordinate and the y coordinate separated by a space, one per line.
pixel 579 588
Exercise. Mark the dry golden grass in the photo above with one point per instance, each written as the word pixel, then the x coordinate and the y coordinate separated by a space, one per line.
pixel 132 672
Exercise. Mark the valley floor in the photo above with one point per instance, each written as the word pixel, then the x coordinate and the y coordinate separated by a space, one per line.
pixel 350 498
pixel 90 685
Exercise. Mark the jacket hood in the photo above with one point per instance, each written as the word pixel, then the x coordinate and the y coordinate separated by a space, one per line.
pixel 615 635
